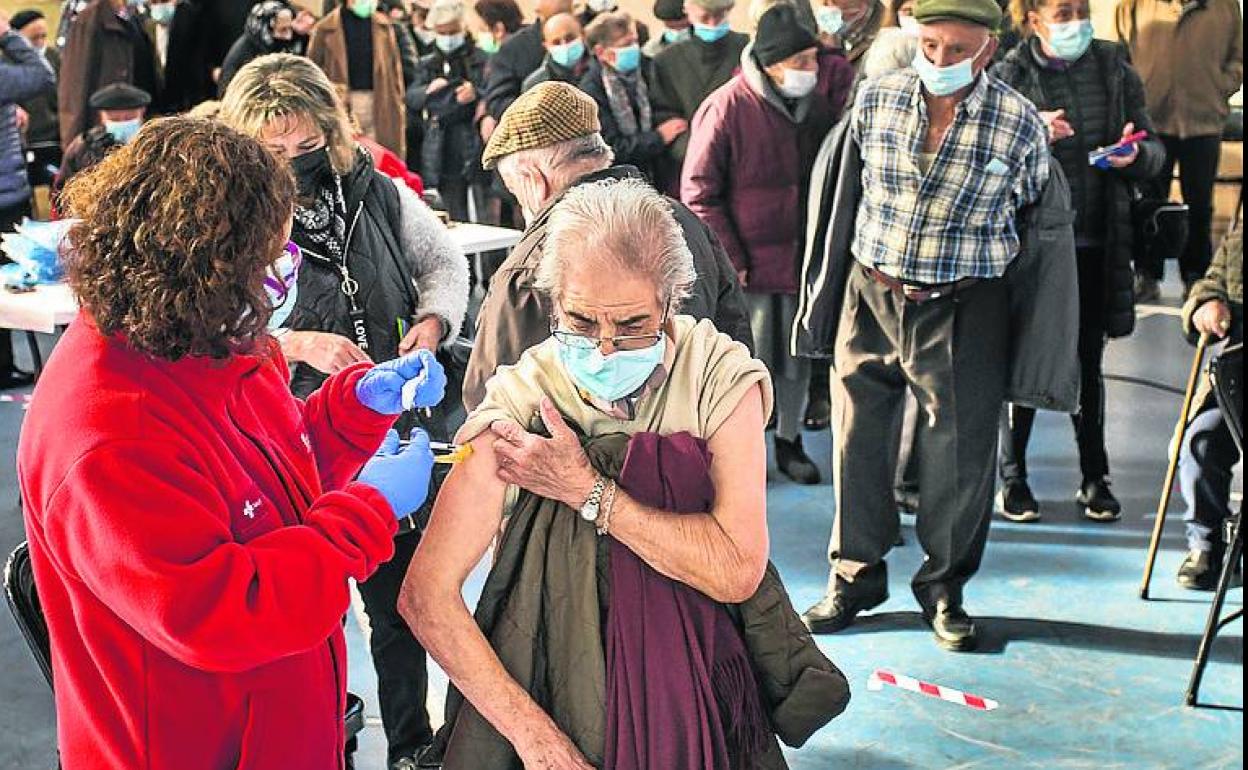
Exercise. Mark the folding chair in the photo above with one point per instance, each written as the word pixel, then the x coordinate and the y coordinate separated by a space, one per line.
pixel 19 589
pixel 1227 373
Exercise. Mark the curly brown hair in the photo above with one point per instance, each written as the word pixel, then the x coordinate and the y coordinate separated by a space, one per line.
pixel 178 228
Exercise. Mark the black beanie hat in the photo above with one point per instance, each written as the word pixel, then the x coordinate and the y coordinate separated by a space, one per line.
pixel 780 35
pixel 22 18
pixel 669 10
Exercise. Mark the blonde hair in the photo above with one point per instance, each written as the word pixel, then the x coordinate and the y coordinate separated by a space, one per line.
pixel 1019 10
pixel 280 86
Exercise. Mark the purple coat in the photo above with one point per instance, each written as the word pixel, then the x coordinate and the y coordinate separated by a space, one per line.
pixel 747 172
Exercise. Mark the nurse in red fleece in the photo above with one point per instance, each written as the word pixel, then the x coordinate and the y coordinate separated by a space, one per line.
pixel 192 526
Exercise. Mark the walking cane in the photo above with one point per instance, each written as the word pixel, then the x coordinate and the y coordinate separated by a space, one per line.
pixel 1176 447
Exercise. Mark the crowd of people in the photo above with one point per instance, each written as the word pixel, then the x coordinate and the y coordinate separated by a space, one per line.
pixel 890 218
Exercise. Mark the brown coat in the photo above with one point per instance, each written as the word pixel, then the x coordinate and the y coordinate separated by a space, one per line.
pixel 328 50
pixel 98 52
pixel 1191 58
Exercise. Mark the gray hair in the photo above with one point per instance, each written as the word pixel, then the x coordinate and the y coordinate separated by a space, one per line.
pixel 628 227
pixel 562 162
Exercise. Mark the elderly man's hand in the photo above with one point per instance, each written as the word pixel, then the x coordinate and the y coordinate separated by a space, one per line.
pixel 1213 317
pixel 555 468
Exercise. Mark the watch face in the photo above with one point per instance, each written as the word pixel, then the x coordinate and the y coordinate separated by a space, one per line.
pixel 589 512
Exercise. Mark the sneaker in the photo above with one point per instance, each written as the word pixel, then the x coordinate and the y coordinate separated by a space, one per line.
pixel 1147 289
pixel 1099 504
pixel 1016 502
pixel 793 462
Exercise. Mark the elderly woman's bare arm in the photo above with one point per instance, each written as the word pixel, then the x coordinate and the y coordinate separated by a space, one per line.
pixel 723 554
pixel 465 519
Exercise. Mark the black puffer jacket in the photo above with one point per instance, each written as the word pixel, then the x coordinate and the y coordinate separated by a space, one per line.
pixel 374 258
pixel 1022 69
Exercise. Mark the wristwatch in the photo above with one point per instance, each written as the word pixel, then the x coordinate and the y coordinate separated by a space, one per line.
pixel 593 506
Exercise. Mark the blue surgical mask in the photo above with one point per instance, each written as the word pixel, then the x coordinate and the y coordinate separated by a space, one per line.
pixel 628 58
pixel 711 34
pixel 830 19
pixel 1071 39
pixel 568 54
pixel 123 130
pixel 942 81
pixel 673 36
pixel 610 378
pixel 163 13
pixel 449 43
pixel 281 284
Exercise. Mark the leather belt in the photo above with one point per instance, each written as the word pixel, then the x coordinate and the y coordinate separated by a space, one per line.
pixel 919 292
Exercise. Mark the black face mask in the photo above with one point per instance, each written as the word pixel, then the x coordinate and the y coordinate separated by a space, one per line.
pixel 311 169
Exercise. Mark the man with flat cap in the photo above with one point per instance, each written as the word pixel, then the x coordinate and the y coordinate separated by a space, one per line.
pixel 949 156
pixel 676 27
pixel 121 109
pixel 547 142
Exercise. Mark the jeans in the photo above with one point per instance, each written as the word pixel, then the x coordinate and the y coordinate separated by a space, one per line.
pixel 1207 460
pixel 1197 157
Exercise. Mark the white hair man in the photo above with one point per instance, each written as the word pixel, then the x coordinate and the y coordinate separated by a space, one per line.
pixel 547 143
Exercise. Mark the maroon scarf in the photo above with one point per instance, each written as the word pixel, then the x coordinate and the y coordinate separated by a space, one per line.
pixel 681 691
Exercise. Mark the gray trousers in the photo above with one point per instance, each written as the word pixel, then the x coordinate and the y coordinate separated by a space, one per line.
pixel 951 353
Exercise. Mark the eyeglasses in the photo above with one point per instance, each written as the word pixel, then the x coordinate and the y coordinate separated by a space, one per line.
pixel 282 275
pixel 625 342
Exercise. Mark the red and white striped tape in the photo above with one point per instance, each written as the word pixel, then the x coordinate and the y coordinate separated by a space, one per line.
pixel 11 399
pixel 881 677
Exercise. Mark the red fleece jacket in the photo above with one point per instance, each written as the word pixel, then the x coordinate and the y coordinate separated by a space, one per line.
pixel 192 528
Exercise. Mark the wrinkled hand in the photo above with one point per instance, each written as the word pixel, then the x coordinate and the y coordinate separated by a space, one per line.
pixel 466 93
pixel 414 381
pixel 488 124
pixel 401 475
pixel 1122 161
pixel 435 85
pixel 550 749
pixel 1059 127
pixel 425 334
pixel 325 352
pixel 555 468
pixel 1213 317
pixel 671 129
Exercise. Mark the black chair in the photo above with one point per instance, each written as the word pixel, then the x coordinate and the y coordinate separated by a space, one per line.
pixel 1227 373
pixel 19 589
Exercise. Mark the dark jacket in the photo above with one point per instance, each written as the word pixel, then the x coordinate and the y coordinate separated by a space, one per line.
pixel 1044 297
pixel 102 49
pixel 642 149
pixel 559 74
pixel 513 316
pixel 81 154
pixel 23 74
pixel 188 61
pixel 529 596
pixel 1022 69
pixel 42 129
pixel 376 262
pixel 451 146
pixel 515 60
pixel 748 170
pixel 255 41
pixel 686 73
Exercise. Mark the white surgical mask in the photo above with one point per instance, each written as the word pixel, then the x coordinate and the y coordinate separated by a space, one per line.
pixel 830 19
pixel 798 83
pixel 449 43
pixel 942 81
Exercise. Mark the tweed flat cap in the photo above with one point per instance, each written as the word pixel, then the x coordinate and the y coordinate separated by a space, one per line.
pixel 119 96
pixel 546 114
pixel 985 13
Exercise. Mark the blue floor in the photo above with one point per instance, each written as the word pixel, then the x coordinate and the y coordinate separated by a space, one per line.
pixel 1087 675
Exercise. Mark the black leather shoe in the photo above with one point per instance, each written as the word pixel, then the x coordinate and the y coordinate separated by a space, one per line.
pixel 838 608
pixel 792 460
pixel 818 414
pixel 953 628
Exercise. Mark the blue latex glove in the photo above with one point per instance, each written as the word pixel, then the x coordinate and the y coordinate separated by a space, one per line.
pixel 415 381
pixel 401 476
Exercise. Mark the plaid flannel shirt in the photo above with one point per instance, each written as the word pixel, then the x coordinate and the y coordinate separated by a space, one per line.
pixel 956 221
